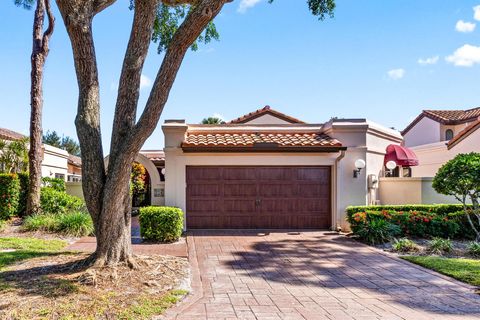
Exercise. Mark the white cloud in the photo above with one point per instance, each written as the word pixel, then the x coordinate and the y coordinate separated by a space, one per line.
pixel 396 74
pixel 145 81
pixel 477 13
pixel 465 56
pixel 247 4
pixel 427 61
pixel 465 27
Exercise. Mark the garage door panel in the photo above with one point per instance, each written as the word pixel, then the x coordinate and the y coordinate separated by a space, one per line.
pixel 239 173
pixel 236 206
pixel 203 173
pixel 284 206
pixel 204 189
pixel 240 189
pixel 258 197
pixel 271 190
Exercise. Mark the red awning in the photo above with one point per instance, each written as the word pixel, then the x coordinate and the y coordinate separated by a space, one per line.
pixel 402 156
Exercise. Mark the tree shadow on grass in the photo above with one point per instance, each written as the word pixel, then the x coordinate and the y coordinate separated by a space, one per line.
pixel 333 262
pixel 39 276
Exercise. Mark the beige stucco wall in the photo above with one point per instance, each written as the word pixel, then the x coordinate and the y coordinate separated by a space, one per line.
pixel 74 189
pixel 400 191
pixel 267 119
pixel 424 132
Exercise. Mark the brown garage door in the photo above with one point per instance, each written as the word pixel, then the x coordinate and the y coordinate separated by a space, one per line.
pixel 258 197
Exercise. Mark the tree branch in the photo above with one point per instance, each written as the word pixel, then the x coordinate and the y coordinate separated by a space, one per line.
pixel 129 84
pixel 100 5
pixel 51 25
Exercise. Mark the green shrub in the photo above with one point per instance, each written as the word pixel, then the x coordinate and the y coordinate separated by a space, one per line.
pixel 41 222
pixel 9 195
pixel 75 223
pixel 377 231
pixel 54 183
pixel 404 245
pixel 161 223
pixel 440 246
pixel 23 178
pixel 413 223
pixel 473 248
pixel 54 201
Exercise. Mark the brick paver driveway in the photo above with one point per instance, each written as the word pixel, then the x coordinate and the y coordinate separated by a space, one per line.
pixel 313 275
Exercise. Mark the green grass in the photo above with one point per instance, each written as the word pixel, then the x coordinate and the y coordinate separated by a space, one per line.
pixel 147 307
pixel 465 270
pixel 27 248
pixel 75 223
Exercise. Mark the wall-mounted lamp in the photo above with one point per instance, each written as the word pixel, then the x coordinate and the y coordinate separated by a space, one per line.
pixel 163 171
pixel 390 166
pixel 359 165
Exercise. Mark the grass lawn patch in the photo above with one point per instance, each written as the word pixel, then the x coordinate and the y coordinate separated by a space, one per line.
pixel 13 250
pixel 465 270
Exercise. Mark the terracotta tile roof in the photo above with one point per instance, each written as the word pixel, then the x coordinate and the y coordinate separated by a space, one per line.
pixel 6 134
pixel 154 155
pixel 74 160
pixel 265 110
pixel 447 117
pixel 464 133
pixel 242 139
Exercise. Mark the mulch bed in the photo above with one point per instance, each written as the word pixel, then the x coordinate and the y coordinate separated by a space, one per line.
pixel 60 286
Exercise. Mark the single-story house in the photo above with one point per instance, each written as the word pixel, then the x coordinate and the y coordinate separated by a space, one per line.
pixel 270 170
pixel 437 136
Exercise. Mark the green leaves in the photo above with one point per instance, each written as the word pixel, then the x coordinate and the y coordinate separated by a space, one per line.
pixel 26 4
pixel 320 8
pixel 460 176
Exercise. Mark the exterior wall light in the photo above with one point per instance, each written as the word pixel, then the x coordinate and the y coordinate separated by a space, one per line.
pixel 359 165
pixel 390 166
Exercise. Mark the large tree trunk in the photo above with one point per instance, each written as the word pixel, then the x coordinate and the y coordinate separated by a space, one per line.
pixel 106 190
pixel 39 54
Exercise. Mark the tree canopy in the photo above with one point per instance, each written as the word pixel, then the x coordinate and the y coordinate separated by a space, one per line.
pixel 65 142
pixel 213 120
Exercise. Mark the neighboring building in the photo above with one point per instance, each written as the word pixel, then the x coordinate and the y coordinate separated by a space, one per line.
pixel 269 170
pixel 56 163
pixel 437 136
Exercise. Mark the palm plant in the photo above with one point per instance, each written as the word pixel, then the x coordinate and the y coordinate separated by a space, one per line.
pixel 213 120
pixel 14 156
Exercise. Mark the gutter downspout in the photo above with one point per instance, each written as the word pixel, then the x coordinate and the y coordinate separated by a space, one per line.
pixel 335 226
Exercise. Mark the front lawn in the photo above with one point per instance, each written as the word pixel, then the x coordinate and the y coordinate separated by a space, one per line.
pixel 465 270
pixel 13 250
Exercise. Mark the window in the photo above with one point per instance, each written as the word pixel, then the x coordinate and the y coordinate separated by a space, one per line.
pixel 59 176
pixel 449 134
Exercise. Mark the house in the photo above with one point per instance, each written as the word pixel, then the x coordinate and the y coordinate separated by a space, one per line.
pixel 270 170
pixel 56 163
pixel 437 136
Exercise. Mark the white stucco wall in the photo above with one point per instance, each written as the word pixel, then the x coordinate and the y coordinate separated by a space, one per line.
pixel 432 156
pixel 55 161
pixel 424 132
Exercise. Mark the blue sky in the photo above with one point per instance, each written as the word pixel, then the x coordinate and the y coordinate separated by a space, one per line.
pixel 382 60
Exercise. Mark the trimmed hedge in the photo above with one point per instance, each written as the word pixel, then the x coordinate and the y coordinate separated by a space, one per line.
pixel 9 195
pixel 161 223
pixel 440 209
pixel 54 183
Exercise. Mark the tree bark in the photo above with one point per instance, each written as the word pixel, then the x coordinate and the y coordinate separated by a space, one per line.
pixel 106 190
pixel 40 51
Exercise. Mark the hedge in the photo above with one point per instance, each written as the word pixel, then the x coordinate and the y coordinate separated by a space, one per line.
pixel 23 178
pixel 414 223
pixel 440 209
pixel 56 202
pixel 161 223
pixel 9 195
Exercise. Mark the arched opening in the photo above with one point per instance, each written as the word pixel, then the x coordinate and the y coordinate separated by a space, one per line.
pixel 154 194
pixel 449 134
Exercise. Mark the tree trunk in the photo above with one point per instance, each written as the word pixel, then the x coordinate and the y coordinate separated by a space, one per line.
pixel 39 54
pixel 107 191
